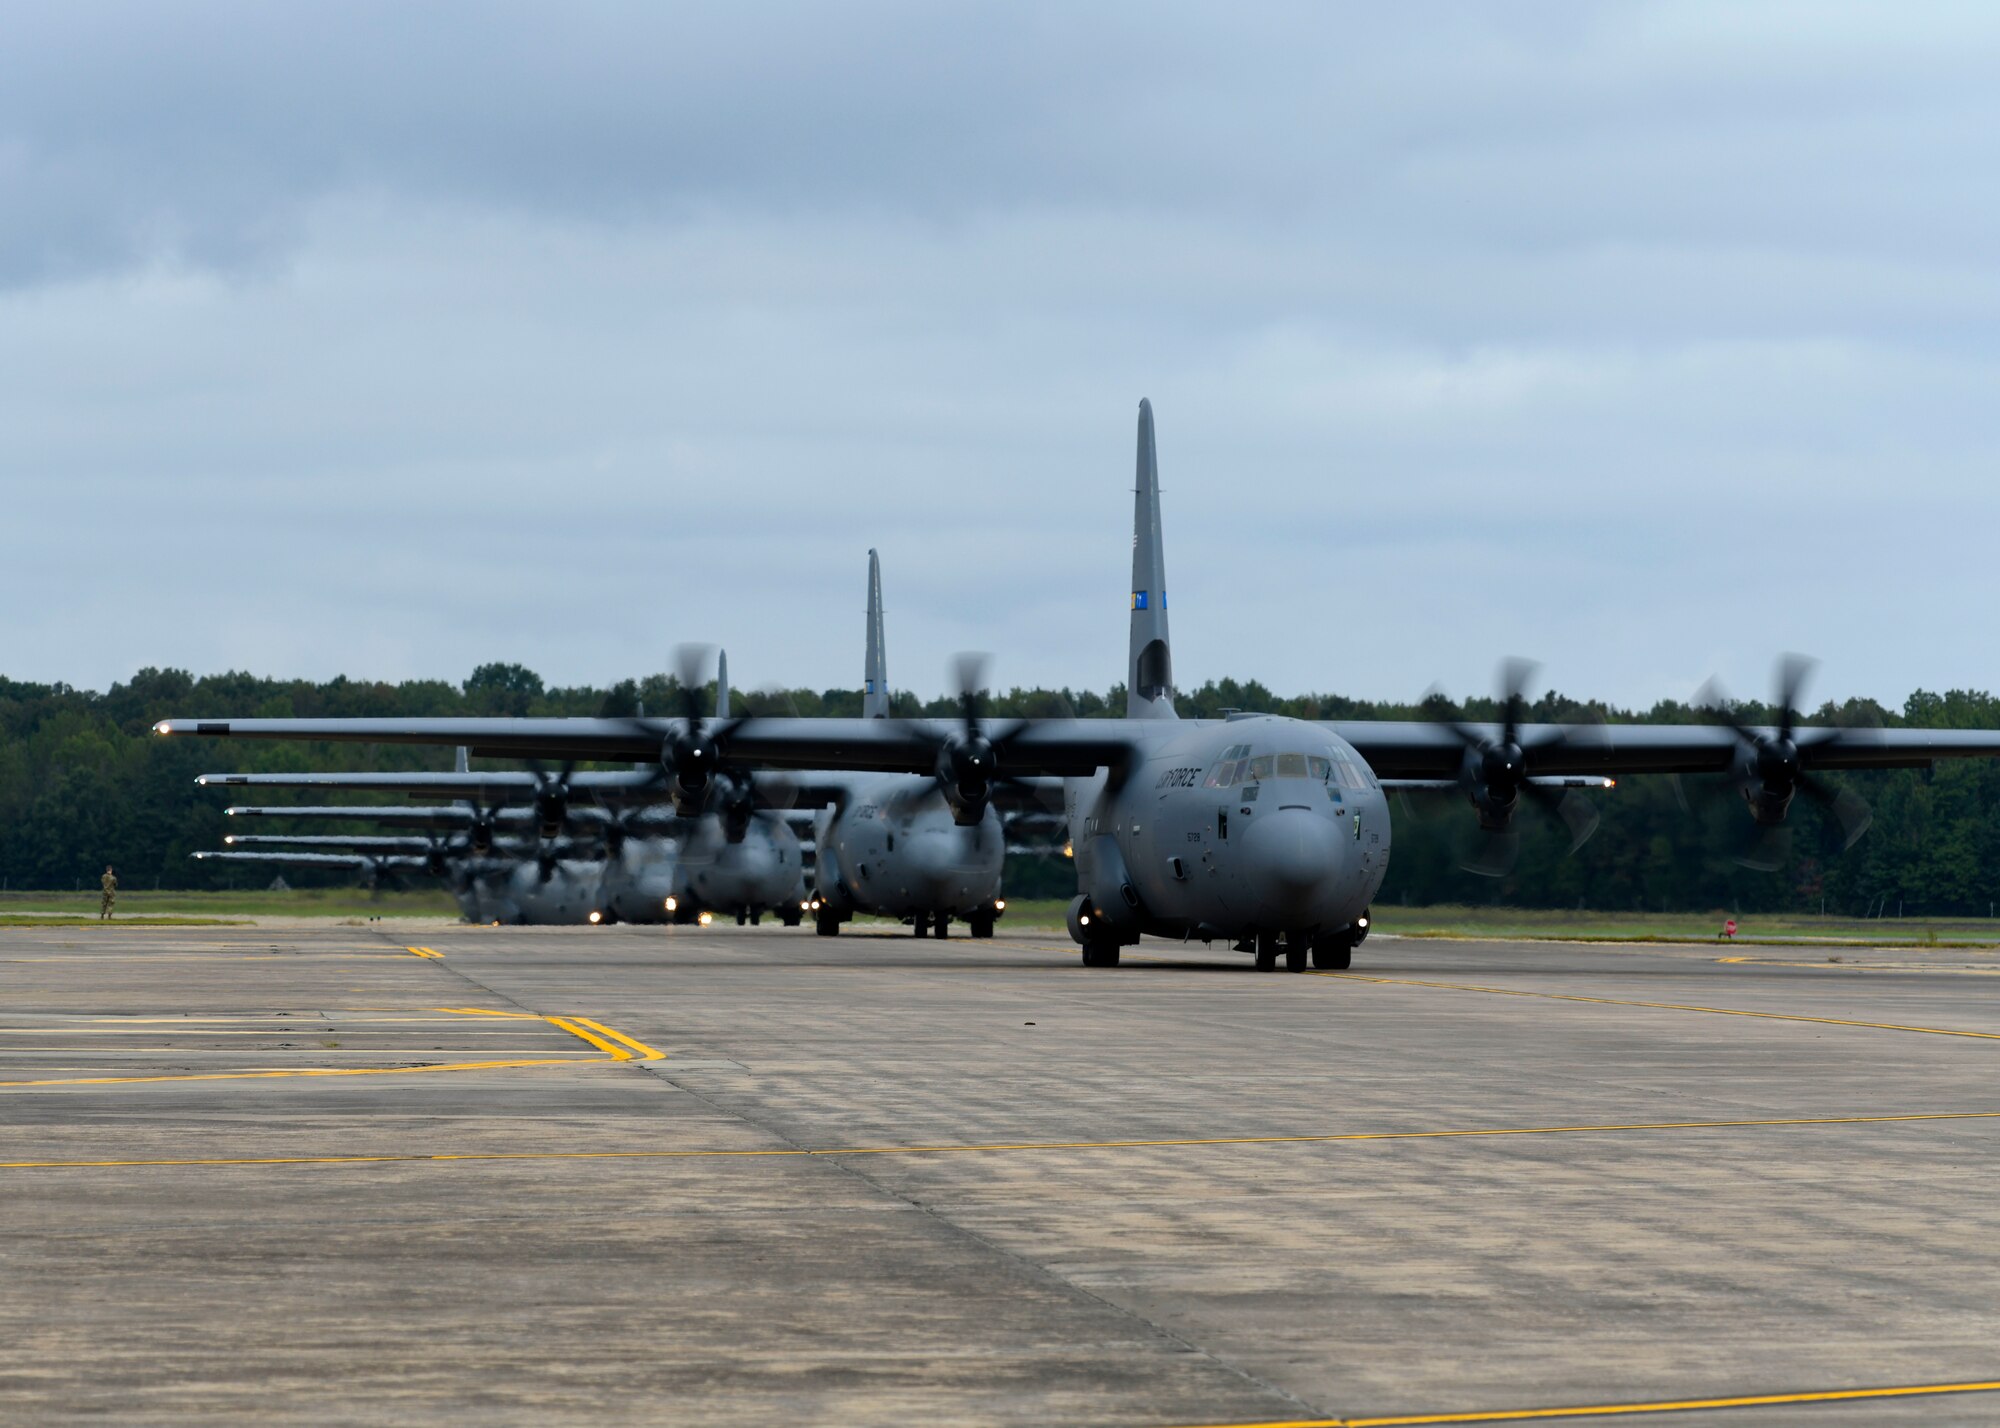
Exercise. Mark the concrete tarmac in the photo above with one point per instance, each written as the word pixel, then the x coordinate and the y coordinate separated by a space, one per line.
pixel 608 1176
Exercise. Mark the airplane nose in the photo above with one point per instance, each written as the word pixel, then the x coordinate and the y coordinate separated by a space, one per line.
pixel 1291 858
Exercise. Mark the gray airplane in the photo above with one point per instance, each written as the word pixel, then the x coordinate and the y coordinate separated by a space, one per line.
pixel 891 844
pixel 513 882
pixel 736 857
pixel 1270 833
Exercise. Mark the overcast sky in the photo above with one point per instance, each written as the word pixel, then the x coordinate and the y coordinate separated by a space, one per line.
pixel 1648 341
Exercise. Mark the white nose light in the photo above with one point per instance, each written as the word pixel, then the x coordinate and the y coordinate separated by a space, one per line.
pixel 597 917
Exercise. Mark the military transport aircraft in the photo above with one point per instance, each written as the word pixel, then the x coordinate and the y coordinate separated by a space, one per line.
pixel 1272 833
pixel 892 844
pixel 541 883
pixel 735 855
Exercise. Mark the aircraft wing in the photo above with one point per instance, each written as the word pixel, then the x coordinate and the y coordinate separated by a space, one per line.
pixel 354 862
pixel 396 815
pixel 1050 747
pixel 1427 751
pixel 306 842
pixel 482 786
pixel 1074 747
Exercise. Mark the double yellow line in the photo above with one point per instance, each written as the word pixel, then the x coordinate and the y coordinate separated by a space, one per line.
pixel 615 1044
pixel 624 1049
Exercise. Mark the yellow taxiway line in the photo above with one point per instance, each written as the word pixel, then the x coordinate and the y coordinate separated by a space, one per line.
pixel 1608 1410
pixel 614 1044
pixel 1661 1006
pixel 999 1147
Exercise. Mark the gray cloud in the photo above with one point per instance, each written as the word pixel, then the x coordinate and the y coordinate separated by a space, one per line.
pixel 1649 340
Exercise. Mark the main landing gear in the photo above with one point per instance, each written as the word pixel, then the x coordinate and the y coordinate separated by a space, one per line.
pixel 1100 954
pixel 1327 951
pixel 1294 946
pixel 1333 951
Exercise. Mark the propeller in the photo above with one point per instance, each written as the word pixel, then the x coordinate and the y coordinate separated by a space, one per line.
pixel 551 797
pixel 479 833
pixel 1496 774
pixel 690 756
pixel 1770 767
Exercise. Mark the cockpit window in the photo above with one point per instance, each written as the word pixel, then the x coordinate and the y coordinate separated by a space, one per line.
pixel 1350 777
pixel 1228 769
pixel 1291 766
pixel 1322 769
pixel 1260 769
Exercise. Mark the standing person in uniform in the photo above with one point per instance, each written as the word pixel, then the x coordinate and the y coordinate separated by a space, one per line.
pixel 109 882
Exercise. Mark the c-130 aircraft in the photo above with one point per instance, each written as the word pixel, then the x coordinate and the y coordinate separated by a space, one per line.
pixel 1268 832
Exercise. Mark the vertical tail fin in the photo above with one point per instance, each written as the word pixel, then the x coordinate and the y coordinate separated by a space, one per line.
pixel 722 684
pixel 875 669
pixel 1149 674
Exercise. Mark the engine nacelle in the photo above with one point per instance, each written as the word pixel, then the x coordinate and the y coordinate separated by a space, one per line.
pixel 689 759
pixel 1492 776
pixel 1768 777
pixel 1494 807
pixel 965 769
pixel 552 811
pixel 738 804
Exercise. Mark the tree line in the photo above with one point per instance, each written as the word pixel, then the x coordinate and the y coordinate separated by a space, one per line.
pixel 83 782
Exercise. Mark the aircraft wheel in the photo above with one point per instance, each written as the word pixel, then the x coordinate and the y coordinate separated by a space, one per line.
pixel 1100 954
pixel 755 918
pixel 1333 953
pixel 1267 951
pixel 826 925
pixel 1296 948
pixel 920 925
pixel 980 926
pixel 790 919
pixel 741 917
pixel 944 924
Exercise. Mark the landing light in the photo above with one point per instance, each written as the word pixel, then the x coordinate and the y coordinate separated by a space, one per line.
pixel 230 839
pixel 1068 851
pixel 999 904
pixel 1083 919
pixel 1360 922
pixel 673 904
pixel 597 917
pixel 805 904
pixel 705 918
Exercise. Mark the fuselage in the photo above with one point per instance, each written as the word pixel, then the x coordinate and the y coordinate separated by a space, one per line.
pixel 1227 829
pixel 567 896
pixel 763 872
pixel 892 848
pixel 640 879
